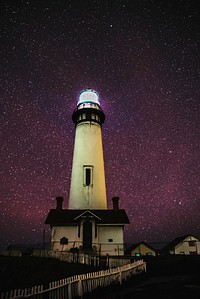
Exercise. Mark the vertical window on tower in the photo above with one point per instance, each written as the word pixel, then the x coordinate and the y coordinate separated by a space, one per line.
pixel 88 175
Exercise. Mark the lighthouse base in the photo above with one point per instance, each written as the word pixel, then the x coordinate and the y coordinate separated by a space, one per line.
pixel 98 232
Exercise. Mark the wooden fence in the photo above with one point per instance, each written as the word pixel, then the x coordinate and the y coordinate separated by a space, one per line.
pixel 78 285
pixel 83 258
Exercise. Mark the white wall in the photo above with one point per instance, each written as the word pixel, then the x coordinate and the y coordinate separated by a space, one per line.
pixel 101 241
pixel 184 248
pixel 115 232
pixel 70 232
pixel 88 150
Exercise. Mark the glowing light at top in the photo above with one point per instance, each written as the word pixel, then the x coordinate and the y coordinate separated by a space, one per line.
pixel 88 96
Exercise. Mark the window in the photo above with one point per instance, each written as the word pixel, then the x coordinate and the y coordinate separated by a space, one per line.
pixel 137 254
pixel 110 240
pixel 191 243
pixel 149 253
pixel 192 252
pixel 63 241
pixel 88 175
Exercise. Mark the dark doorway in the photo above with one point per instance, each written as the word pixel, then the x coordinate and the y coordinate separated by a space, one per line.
pixel 87 235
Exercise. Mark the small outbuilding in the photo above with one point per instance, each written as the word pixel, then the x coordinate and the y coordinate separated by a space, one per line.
pixel 188 244
pixel 141 249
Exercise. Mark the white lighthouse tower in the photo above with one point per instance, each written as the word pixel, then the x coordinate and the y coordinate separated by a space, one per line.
pixel 88 189
pixel 88 225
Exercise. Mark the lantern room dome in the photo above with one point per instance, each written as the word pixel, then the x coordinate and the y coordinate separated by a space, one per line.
pixel 88 96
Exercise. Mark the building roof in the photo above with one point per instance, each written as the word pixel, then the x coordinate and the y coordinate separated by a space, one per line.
pixel 71 217
pixel 134 246
pixel 171 245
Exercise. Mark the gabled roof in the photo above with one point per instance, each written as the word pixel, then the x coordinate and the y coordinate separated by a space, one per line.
pixel 158 245
pixel 171 245
pixel 87 214
pixel 134 246
pixel 71 217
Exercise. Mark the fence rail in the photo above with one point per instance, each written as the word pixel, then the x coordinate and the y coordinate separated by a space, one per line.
pixel 78 285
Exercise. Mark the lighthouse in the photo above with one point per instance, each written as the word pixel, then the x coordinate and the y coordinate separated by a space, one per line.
pixel 88 226
pixel 88 188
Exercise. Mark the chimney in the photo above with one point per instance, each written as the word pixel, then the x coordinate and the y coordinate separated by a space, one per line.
pixel 59 200
pixel 115 201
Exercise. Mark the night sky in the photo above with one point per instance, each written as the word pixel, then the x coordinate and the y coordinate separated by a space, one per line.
pixel 143 58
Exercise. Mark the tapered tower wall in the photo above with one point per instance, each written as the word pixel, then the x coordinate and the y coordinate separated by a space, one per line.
pixel 88 188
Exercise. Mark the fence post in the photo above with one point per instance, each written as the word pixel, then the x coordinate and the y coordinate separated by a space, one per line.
pixel 145 267
pixel 80 287
pixel 120 277
pixel 69 291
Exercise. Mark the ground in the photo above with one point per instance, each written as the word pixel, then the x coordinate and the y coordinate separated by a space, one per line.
pixel 28 271
pixel 167 277
pixel 168 287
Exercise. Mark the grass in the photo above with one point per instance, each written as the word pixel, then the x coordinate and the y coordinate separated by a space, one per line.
pixel 167 277
pixel 28 271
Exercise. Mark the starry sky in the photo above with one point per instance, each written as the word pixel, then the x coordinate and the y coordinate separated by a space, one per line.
pixel 143 58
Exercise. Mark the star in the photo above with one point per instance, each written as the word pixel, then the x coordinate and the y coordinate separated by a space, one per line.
pixel 146 71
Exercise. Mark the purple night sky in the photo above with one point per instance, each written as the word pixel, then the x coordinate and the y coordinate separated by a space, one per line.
pixel 143 58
